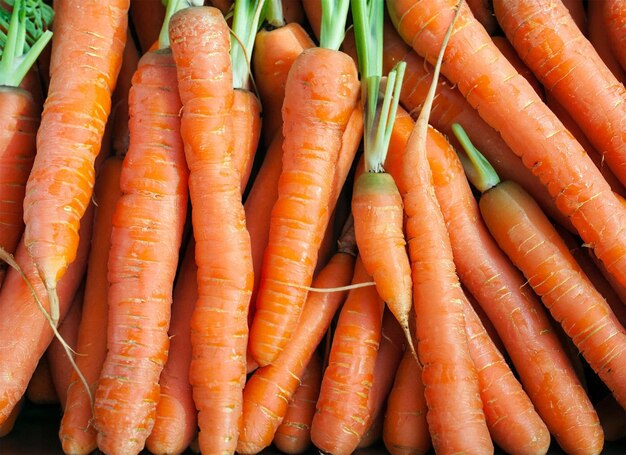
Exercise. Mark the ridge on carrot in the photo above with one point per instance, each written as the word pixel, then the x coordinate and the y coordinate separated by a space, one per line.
pixel 377 204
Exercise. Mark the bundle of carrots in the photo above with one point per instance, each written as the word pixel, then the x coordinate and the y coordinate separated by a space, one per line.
pixel 197 256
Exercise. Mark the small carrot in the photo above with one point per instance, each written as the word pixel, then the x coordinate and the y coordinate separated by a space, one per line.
pixel 615 20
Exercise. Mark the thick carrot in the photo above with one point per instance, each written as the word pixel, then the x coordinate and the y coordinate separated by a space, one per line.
pixel 405 430
pixel 145 240
pixel 320 94
pixel 76 433
pixel 269 389
pixel 219 331
pixel 615 20
pixel 493 87
pixel 584 86
pixel 25 332
pixel 86 57
pixel 294 433
pixel 175 423
pixel 517 314
pixel 599 37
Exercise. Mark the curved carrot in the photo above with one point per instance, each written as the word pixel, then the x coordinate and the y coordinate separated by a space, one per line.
pixel 584 86
pixel 72 124
pixel 405 430
pixel 269 389
pixel 615 20
pixel 219 331
pixel 175 424
pixel 76 433
pixel 294 433
pixel 492 86
pixel 599 37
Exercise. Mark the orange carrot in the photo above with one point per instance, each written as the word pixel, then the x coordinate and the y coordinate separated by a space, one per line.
pixel 493 87
pixel 615 20
pixel 219 331
pixel 88 47
pixel 246 120
pixel 585 87
pixel 7 426
pixel 76 433
pixel 294 433
pixel 576 9
pixel 599 37
pixel 511 55
pixel 483 12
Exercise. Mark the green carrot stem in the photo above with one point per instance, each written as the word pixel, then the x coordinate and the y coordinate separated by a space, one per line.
pixel 171 8
pixel 334 15
pixel 274 13
pixel 477 168
pixel 246 20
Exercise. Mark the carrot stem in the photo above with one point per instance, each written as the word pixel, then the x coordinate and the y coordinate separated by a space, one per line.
pixel 334 14
pixel 245 23
pixel 172 7
pixel 274 13
pixel 478 170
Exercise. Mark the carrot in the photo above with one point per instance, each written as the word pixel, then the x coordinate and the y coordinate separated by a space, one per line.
pixel 76 433
pixel 585 87
pixel 320 94
pixel 219 330
pixel 25 331
pixel 615 20
pixel 533 245
pixel 576 9
pixel 68 139
pixel 517 314
pixel 617 287
pixel 599 37
pixel 146 17
pixel 483 12
pixel 405 430
pixel 146 235
pixel 342 413
pixel 175 423
pixel 7 426
pixel 294 433
pixel 511 55
pixel 269 389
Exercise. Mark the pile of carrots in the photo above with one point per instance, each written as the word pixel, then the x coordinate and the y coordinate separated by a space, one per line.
pixel 227 225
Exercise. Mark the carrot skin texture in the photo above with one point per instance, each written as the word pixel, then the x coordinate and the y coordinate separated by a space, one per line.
pixel 269 389
pixel 492 86
pixel 320 94
pixel 294 433
pixel 503 44
pixel 517 314
pixel 19 120
pixel 246 120
pixel 25 334
pixel 200 43
pixel 77 434
pixel 405 429
pixel 145 240
pixel 555 276
pixel 61 182
pixel 342 412
pixel 570 69
pixel 176 422
pixel 615 20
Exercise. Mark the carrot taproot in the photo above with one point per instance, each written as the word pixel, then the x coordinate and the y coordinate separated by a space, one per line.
pixel 509 52
pixel 175 423
pixel 405 430
pixel 25 331
pixel 219 330
pixel 496 90
pixel 342 414
pixel 76 433
pixel 584 86
pixel 270 387
pixel 615 20
pixel 146 236
pixel 599 37
pixel 320 94
pixel 246 118
pixel 294 433
pixel 68 140
pixel 612 418
pixel 482 315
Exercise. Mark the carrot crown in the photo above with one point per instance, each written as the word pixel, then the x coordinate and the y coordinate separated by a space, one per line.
pixel 379 112
pixel 274 13
pixel 477 168
pixel 246 20
pixel 17 58
pixel 333 30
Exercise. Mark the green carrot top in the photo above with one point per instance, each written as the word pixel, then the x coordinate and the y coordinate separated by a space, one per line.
pixel 246 19
pixel 379 111
pixel 333 29
pixel 477 168
pixel 17 56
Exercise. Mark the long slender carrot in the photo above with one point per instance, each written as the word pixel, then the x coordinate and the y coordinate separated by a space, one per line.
pixel 219 330
pixel 76 433
pixel 294 433
pixel 145 240
pixel 25 332
pixel 517 314
pixel 615 20
pixel 493 87
pixel 599 37
pixel 320 94
pixel 405 429
pixel 86 57
pixel 269 389
pixel 584 86
pixel 503 44
pixel 175 423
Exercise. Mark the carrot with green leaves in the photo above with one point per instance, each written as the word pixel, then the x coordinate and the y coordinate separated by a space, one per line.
pixel 321 93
